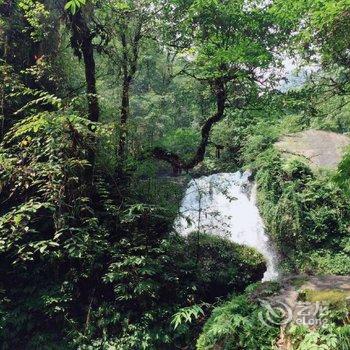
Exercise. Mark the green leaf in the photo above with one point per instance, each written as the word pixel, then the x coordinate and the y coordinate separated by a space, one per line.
pixel 74 5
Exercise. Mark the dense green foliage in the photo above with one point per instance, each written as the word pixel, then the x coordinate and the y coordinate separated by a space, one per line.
pixel 223 267
pixel 308 216
pixel 237 325
pixel 104 271
pixel 100 103
pixel 333 334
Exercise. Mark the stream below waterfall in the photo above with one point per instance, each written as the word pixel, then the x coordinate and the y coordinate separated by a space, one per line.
pixel 225 204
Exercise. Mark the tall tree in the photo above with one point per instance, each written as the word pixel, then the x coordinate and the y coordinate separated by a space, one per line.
pixel 320 27
pixel 82 44
pixel 228 46
pixel 128 24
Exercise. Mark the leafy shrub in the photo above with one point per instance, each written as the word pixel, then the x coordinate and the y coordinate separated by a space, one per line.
pixel 236 325
pixel 106 272
pixel 305 214
pixel 327 262
pixel 343 174
pixel 333 333
pixel 223 267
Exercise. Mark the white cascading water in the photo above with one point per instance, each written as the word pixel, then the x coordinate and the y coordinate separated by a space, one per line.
pixel 223 204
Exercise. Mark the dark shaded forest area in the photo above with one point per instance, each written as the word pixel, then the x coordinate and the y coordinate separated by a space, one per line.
pixel 107 110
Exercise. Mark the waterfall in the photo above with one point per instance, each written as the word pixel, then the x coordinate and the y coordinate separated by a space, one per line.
pixel 225 204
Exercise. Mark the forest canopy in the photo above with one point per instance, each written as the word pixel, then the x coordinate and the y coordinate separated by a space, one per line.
pixel 108 108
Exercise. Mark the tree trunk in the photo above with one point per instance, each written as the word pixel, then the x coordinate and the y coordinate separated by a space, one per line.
pixel 124 116
pixel 83 48
pixel 129 68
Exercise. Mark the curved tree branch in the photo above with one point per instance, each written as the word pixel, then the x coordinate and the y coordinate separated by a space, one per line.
pixel 175 160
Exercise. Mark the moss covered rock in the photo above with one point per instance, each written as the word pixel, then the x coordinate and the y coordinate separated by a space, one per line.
pixel 223 267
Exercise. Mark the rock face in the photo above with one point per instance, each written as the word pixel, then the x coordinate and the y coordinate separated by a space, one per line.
pixel 322 149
